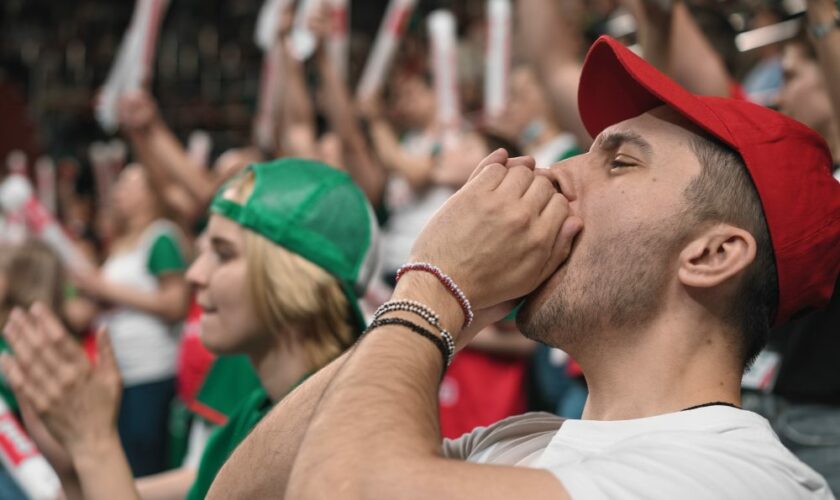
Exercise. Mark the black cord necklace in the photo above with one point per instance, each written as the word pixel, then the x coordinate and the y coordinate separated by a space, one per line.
pixel 715 403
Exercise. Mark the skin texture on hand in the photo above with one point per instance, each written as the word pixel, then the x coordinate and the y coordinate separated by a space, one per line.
pixel 375 432
pixel 76 401
pixel 137 111
pixel 501 235
pixel 51 372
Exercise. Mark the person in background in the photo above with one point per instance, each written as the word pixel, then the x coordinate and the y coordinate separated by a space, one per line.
pixel 763 81
pixel 184 188
pixel 38 275
pixel 663 344
pixel 498 357
pixel 528 122
pixel 286 299
pixel 803 401
pixel 808 95
pixel 674 41
pixel 144 296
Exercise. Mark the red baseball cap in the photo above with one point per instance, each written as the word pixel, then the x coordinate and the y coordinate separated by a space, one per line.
pixel 790 164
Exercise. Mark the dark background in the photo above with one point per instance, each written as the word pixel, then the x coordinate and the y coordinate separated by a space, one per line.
pixel 54 54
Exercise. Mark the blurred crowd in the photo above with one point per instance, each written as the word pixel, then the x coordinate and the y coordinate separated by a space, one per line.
pixel 143 250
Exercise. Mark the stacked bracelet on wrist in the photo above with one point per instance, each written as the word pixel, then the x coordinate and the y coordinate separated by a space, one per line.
pixel 446 281
pixel 424 312
pixel 441 345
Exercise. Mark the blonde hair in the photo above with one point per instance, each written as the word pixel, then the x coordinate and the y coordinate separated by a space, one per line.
pixel 33 272
pixel 291 294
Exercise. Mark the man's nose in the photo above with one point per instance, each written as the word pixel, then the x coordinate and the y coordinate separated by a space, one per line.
pixel 564 175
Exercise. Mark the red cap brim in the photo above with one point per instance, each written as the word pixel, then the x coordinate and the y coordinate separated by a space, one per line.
pixel 616 85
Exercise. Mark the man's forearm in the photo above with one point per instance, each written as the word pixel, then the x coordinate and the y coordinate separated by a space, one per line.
pixel 260 466
pixel 357 442
pixel 381 408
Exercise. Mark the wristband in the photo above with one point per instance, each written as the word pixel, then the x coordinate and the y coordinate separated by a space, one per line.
pixel 442 346
pixel 424 312
pixel 446 281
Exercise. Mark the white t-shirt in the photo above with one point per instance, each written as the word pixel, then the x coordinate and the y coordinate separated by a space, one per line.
pixel 715 452
pixel 145 346
pixel 410 210
pixel 550 153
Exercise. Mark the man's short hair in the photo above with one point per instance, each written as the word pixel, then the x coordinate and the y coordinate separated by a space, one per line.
pixel 724 192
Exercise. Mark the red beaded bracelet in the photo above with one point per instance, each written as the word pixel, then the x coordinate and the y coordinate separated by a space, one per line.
pixel 446 281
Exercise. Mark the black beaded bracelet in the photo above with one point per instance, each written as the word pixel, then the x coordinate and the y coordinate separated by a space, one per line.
pixel 437 341
pixel 424 312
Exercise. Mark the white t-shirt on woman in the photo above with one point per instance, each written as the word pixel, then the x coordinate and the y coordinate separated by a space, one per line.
pixel 145 345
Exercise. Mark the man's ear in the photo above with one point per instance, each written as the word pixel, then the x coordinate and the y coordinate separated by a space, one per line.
pixel 715 255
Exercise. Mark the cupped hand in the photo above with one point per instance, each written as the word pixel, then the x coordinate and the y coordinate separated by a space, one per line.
pixel 500 236
pixel 49 372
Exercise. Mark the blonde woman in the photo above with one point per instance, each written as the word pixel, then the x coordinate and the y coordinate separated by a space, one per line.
pixel 292 245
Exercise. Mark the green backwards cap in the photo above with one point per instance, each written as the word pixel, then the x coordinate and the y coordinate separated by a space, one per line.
pixel 315 211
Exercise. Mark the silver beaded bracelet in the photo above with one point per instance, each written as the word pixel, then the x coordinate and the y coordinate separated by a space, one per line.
pixel 424 312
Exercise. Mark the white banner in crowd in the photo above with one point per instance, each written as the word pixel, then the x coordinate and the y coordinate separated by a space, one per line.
pixel 270 82
pixel 499 26
pixel 338 44
pixel 302 42
pixel 16 162
pixel 268 25
pixel 45 182
pixel 385 47
pixel 17 197
pixel 117 154
pixel 22 460
pixel 199 145
pixel 268 22
pixel 104 173
pixel 444 53
pixel 134 62
pixel 12 226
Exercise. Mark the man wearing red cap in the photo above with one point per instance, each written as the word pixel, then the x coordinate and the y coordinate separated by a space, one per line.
pixel 658 260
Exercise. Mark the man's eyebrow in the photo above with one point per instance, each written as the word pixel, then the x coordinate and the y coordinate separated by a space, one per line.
pixel 611 141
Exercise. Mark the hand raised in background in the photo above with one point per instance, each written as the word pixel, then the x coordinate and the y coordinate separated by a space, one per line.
pixel 137 110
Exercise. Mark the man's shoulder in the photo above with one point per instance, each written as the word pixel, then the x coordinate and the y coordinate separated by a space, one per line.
pixel 724 452
pixel 510 441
